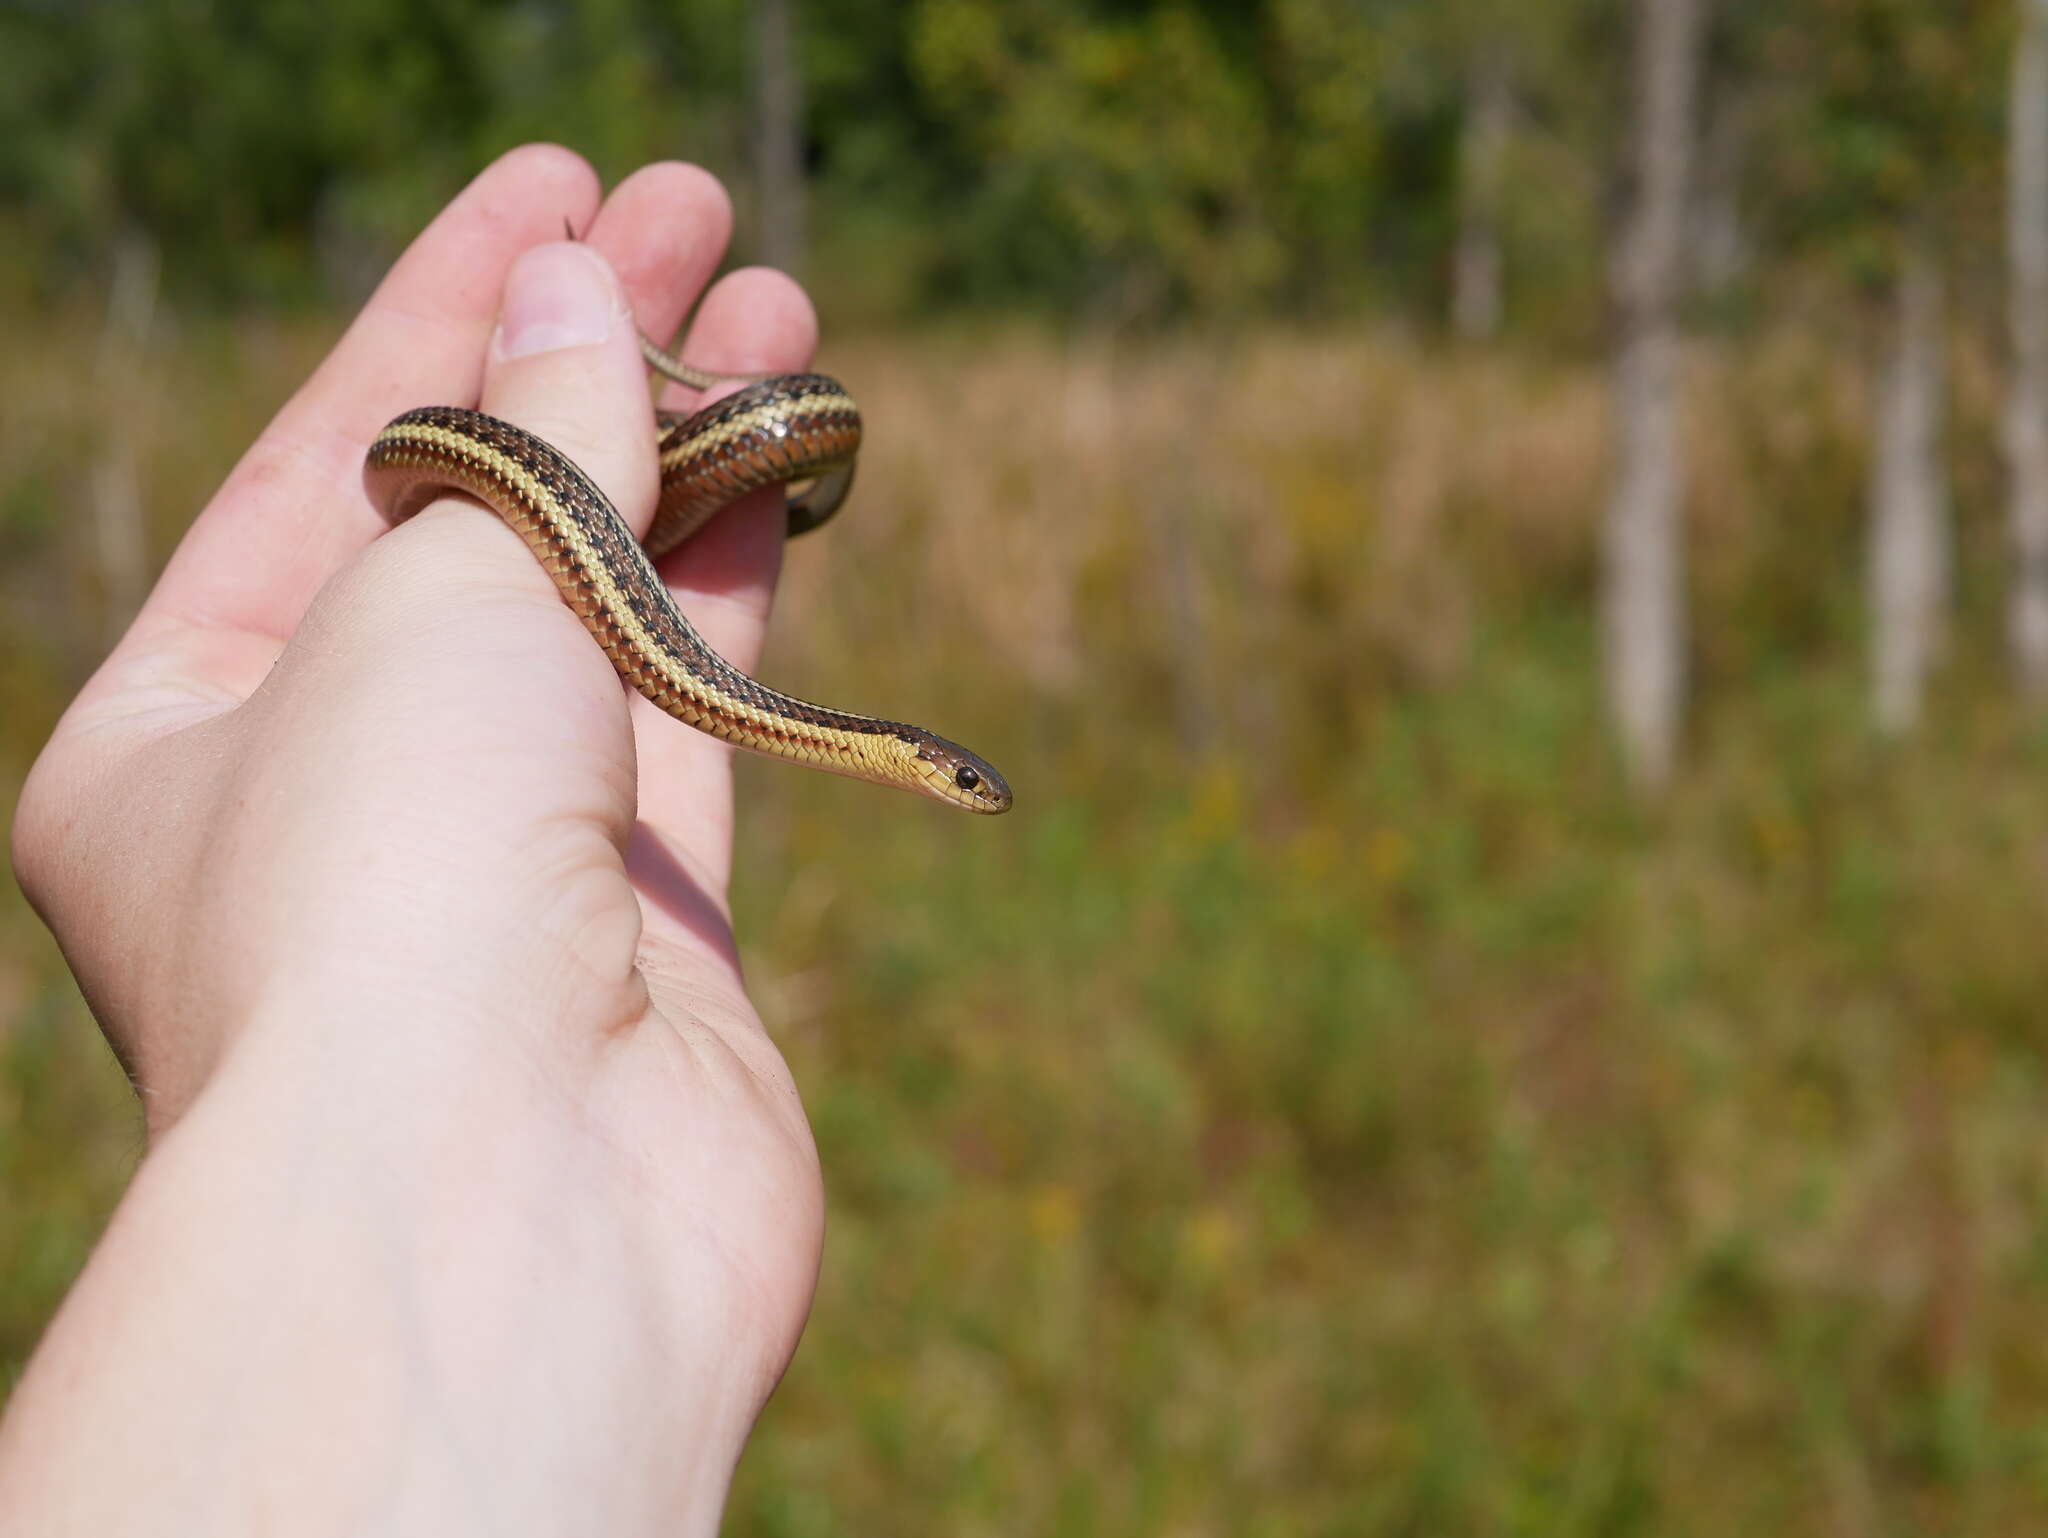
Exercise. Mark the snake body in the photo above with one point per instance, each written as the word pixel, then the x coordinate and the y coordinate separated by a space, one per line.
pixel 783 428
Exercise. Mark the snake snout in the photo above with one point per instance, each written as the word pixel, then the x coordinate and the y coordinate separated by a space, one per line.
pixel 964 778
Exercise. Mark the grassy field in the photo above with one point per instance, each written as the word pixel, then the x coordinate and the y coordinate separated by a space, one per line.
pixel 1325 1106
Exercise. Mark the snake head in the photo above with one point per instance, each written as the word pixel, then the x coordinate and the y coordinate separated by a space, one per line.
pixel 951 773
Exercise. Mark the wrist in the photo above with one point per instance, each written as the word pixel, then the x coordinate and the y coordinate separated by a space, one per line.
pixel 429 1288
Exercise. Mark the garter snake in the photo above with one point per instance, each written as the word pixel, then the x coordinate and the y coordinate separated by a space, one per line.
pixel 787 427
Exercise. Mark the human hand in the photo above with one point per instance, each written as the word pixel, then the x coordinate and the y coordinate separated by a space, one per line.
pixel 410 925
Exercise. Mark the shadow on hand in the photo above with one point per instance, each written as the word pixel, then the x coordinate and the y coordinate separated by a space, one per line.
pixel 662 879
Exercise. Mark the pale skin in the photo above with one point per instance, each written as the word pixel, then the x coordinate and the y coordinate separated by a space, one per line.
pixel 476 1199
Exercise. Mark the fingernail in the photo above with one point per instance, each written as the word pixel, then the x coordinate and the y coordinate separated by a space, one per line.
pixel 556 296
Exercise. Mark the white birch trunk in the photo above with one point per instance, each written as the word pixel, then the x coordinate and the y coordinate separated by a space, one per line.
pixel 2026 403
pixel 1643 575
pixel 1909 539
pixel 778 136
pixel 1476 279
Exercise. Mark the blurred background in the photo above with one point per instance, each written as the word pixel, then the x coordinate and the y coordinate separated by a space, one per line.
pixel 1504 548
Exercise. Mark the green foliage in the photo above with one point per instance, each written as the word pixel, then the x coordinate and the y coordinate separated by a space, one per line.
pixel 1879 114
pixel 1148 146
pixel 238 133
pixel 1126 161
pixel 1116 161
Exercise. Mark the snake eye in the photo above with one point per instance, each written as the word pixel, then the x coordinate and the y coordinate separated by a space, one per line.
pixel 966 778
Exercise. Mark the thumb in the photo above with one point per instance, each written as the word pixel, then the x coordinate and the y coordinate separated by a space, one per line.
pixel 565 365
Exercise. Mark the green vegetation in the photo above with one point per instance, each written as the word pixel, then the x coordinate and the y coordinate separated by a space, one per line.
pixel 1136 162
pixel 1328 1104
pixel 1324 1106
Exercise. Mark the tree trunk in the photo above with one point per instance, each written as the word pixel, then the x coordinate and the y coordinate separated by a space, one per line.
pixel 1482 156
pixel 120 538
pixel 1909 546
pixel 2026 404
pixel 1720 245
pixel 778 136
pixel 1643 576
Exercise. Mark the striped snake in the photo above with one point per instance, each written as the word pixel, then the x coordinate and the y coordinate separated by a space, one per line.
pixel 787 427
